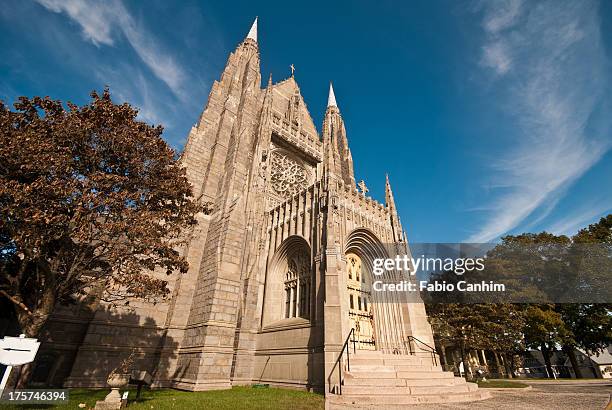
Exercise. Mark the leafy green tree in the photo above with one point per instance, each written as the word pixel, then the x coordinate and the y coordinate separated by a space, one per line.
pixel 534 267
pixel 544 330
pixel 590 323
pixel 459 325
pixel 590 326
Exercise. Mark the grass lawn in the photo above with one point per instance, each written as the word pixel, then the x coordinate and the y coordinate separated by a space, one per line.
pixel 236 398
pixel 501 384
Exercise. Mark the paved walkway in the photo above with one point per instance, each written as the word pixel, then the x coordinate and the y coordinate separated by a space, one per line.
pixel 586 395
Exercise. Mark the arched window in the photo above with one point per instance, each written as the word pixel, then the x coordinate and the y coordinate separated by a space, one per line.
pixel 297 287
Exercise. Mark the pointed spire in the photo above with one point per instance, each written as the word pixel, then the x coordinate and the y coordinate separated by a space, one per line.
pixel 253 31
pixel 396 225
pixel 389 193
pixel 331 100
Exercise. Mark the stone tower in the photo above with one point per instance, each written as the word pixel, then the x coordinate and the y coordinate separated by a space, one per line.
pixel 279 269
pixel 266 297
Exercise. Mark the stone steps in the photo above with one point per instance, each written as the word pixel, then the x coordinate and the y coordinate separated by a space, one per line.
pixel 391 362
pixel 404 390
pixel 377 379
pixel 406 382
pixel 395 368
pixel 392 374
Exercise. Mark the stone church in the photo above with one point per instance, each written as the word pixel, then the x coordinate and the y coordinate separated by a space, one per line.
pixel 279 269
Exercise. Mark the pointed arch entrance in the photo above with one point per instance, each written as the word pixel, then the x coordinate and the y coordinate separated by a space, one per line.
pixel 377 317
pixel 359 292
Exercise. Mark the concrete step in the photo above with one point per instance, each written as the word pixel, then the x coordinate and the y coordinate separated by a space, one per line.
pixel 403 390
pixel 371 368
pixel 408 361
pixel 394 368
pixel 352 401
pixel 388 374
pixel 415 374
pixel 420 368
pixel 366 374
pixel 351 381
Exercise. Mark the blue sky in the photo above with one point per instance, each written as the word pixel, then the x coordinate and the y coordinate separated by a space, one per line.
pixel 490 117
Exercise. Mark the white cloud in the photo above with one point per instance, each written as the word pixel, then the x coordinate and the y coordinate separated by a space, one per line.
pixel 501 14
pixel 496 56
pixel 100 20
pixel 552 85
pixel 93 17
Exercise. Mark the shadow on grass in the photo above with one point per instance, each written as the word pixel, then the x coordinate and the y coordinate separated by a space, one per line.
pixel 233 399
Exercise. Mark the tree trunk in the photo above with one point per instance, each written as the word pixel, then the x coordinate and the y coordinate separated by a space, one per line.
pixel 31 325
pixel 484 359
pixel 500 369
pixel 443 356
pixel 546 354
pixel 466 364
pixel 571 353
pixel 507 366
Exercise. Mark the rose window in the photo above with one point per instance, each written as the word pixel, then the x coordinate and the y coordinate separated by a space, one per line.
pixel 288 177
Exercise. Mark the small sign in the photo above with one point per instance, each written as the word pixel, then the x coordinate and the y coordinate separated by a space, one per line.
pixel 125 395
pixel 15 351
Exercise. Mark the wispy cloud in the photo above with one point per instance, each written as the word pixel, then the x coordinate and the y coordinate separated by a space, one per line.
pixel 551 70
pixel 137 91
pixel 579 219
pixel 102 22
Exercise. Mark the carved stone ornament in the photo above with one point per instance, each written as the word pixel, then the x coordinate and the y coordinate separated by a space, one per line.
pixel 287 176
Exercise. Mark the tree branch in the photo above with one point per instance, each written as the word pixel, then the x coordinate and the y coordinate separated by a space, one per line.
pixel 17 302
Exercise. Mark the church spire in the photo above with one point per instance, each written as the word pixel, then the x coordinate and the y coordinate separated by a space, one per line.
pixel 331 100
pixel 396 225
pixel 253 31
pixel 336 143
pixel 390 201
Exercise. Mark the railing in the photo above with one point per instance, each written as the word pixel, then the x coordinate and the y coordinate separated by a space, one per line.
pixel 338 363
pixel 431 350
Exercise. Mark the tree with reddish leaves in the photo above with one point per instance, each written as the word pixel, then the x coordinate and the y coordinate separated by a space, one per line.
pixel 92 201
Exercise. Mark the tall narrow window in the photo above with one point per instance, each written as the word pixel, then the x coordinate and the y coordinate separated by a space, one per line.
pixel 287 303
pixel 297 287
pixel 304 299
pixel 359 302
pixel 351 301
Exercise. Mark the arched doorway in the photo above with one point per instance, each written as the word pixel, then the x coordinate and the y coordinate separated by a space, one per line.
pixel 381 324
pixel 360 302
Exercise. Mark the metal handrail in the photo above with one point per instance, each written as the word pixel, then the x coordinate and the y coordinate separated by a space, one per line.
pixel 348 359
pixel 431 350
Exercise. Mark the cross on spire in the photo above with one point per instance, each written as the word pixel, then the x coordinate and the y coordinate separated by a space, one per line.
pixel 292 69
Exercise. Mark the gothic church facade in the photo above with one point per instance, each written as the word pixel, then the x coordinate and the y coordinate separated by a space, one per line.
pixel 279 270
